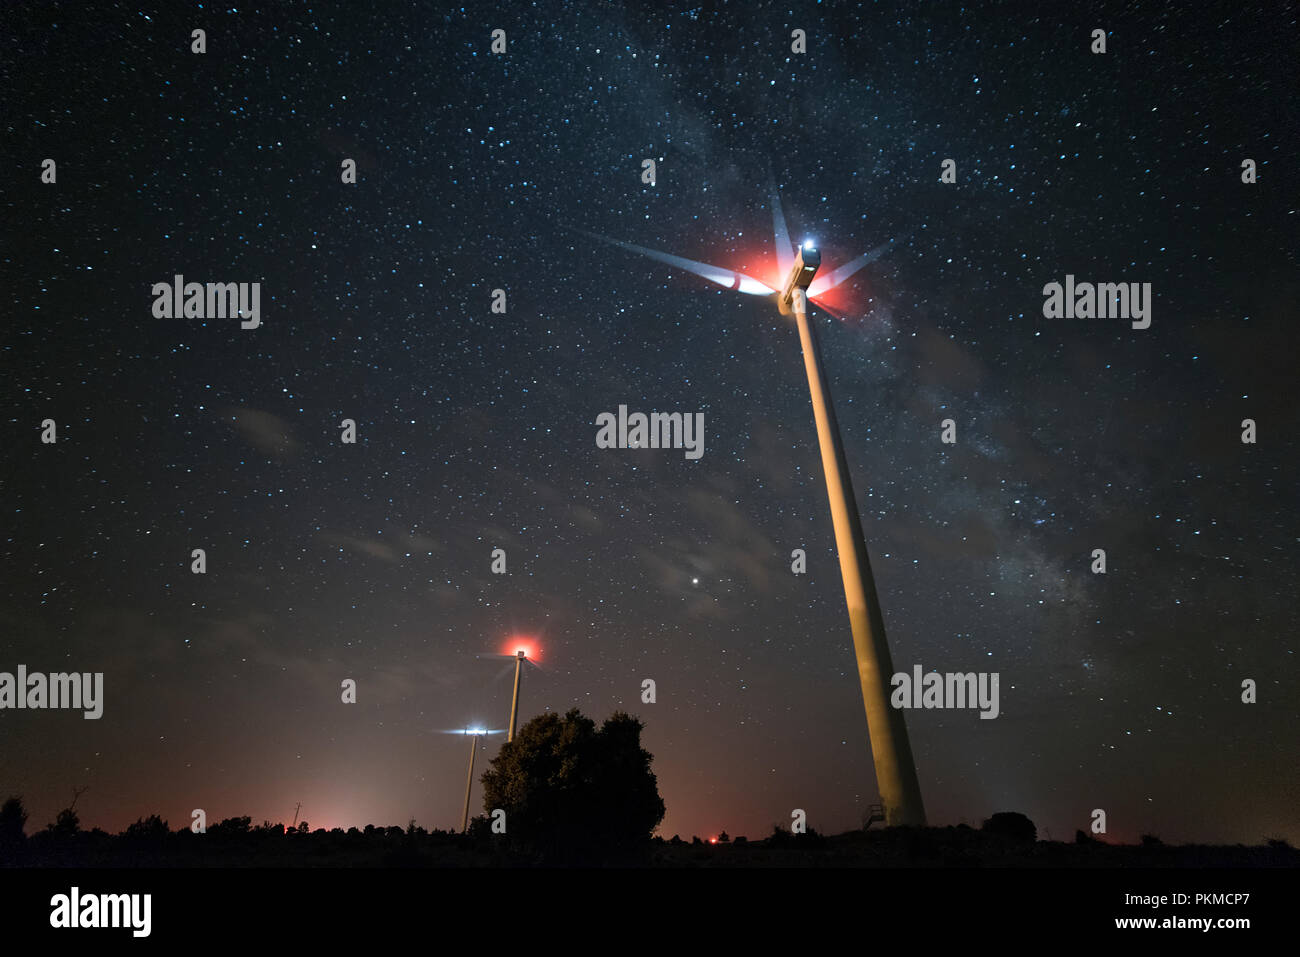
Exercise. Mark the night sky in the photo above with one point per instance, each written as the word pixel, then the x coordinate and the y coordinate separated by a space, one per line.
pixel 476 430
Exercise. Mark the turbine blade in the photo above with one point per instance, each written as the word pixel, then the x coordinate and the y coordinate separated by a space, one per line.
pixel 723 277
pixel 832 279
pixel 784 251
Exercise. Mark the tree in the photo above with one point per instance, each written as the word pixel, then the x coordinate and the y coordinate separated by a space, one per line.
pixel 147 829
pixel 572 792
pixel 780 836
pixel 66 824
pixel 232 827
pixel 13 818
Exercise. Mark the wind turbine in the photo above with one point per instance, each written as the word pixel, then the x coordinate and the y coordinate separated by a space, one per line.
pixel 900 792
pixel 521 656
pixel 473 735
pixel 525 650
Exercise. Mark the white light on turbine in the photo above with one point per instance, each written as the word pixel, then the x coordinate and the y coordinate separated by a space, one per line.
pixel 474 731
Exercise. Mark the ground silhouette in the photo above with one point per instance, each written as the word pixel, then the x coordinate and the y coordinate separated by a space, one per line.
pixel 235 842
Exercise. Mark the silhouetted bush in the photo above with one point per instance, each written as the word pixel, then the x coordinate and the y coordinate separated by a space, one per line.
pixel 66 824
pixel 147 830
pixel 1012 825
pixel 231 827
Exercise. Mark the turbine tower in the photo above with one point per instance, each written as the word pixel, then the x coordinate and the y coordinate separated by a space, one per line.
pixel 900 792
pixel 473 735
pixel 520 657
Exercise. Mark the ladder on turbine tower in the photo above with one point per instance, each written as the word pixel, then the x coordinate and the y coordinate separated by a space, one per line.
pixel 875 813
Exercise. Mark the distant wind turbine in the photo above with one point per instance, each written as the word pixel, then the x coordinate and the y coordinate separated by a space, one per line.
pixel 473 734
pixel 523 650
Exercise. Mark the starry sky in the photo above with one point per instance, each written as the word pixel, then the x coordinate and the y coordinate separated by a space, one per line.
pixel 475 429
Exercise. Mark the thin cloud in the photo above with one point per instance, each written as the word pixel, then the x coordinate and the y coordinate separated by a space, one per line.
pixel 268 433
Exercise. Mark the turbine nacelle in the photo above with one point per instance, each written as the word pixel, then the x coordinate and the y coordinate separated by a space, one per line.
pixel 801 276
